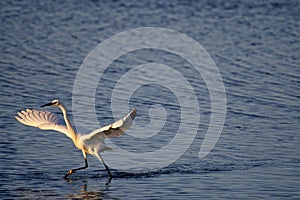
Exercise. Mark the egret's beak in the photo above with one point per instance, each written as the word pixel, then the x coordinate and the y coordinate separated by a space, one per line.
pixel 47 104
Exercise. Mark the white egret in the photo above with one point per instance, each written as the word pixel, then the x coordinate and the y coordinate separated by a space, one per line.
pixel 92 143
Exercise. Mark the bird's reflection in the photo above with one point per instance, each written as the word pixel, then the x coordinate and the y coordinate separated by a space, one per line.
pixel 85 193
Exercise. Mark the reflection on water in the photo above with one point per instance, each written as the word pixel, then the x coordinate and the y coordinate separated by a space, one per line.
pixel 85 193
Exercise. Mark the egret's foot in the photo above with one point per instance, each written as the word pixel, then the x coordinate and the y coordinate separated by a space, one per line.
pixel 108 182
pixel 69 173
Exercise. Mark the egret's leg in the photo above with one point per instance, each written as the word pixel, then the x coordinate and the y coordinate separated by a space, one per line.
pixel 109 180
pixel 108 170
pixel 106 167
pixel 71 171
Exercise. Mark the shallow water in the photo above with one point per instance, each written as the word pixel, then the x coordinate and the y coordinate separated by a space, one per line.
pixel 254 45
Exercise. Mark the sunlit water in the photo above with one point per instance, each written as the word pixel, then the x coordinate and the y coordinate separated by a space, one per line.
pixel 256 48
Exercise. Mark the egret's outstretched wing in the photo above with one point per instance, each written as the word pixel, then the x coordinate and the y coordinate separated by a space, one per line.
pixel 113 130
pixel 42 119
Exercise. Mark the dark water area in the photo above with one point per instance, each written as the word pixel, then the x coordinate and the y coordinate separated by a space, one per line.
pixel 256 48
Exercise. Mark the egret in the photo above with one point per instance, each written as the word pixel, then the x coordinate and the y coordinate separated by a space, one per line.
pixel 91 143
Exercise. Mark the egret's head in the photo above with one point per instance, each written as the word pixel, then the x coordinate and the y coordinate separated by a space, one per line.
pixel 52 103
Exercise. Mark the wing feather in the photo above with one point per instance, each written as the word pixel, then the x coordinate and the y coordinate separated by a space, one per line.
pixel 31 115
pixel 115 129
pixel 42 119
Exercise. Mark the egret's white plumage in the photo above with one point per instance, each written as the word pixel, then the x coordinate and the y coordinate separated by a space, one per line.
pixel 91 143
pixel 42 119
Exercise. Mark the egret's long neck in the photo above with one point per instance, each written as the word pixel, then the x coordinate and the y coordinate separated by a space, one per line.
pixel 71 130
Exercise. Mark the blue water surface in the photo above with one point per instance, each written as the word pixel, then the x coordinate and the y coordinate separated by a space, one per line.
pixel 256 47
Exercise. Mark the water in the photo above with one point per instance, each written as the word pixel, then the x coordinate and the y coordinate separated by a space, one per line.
pixel 256 48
